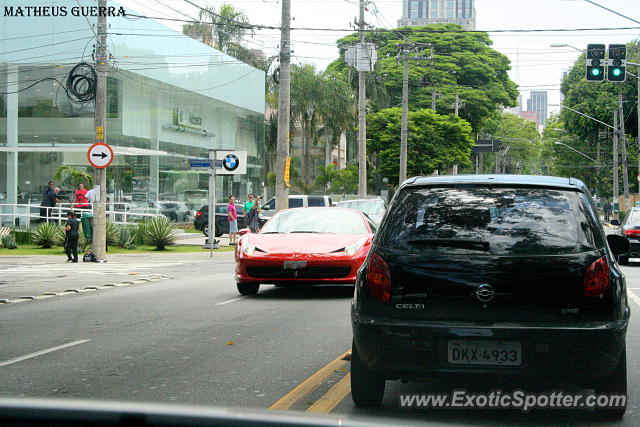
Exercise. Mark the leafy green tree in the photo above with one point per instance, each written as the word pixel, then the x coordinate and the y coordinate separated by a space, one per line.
pixel 434 141
pixel 560 160
pixel 521 146
pixel 462 63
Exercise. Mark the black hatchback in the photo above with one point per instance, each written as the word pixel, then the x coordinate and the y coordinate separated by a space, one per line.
pixel 494 275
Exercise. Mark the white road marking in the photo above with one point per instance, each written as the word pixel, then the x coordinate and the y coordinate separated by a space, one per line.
pixel 633 296
pixel 41 352
pixel 230 301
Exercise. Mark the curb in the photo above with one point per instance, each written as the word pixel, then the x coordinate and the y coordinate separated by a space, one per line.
pixel 93 288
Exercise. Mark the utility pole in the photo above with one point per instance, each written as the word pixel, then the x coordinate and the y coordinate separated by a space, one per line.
pixel 638 109
pixel 284 99
pixel 362 116
pixel 616 191
pixel 623 142
pixel 457 110
pixel 100 215
pixel 405 114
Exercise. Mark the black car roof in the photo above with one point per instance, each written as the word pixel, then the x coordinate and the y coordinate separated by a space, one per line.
pixel 533 180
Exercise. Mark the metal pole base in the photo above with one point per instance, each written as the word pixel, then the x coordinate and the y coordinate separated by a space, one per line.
pixel 208 245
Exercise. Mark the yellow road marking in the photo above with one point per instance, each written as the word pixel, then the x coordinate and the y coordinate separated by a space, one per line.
pixel 310 384
pixel 333 397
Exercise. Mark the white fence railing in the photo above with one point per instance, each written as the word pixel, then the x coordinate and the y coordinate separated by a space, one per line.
pixel 23 215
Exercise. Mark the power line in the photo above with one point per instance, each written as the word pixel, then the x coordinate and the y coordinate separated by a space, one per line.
pixel 412 30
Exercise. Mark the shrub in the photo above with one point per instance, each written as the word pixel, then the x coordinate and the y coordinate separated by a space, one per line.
pixel 47 234
pixel 160 232
pixel 138 233
pixel 9 241
pixel 112 233
pixel 23 237
pixel 125 238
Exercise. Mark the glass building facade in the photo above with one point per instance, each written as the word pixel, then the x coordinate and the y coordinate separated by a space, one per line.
pixel 169 98
pixel 427 12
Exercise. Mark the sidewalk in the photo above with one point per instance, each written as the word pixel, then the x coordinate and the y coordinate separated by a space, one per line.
pixel 34 275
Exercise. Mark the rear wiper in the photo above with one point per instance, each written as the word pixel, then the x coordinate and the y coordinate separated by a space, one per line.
pixel 477 245
pixel 272 232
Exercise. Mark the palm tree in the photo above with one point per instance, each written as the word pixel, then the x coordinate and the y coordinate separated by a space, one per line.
pixel 70 176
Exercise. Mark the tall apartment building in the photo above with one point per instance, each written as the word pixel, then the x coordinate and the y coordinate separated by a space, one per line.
pixel 538 102
pixel 427 12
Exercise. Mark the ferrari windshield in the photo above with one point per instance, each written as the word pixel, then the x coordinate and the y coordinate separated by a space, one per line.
pixel 316 220
pixel 370 207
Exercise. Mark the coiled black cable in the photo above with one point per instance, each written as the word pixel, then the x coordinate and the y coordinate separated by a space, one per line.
pixel 81 83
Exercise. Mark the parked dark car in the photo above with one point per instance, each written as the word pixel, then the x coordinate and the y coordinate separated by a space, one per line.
pixel 494 275
pixel 201 221
pixel 629 228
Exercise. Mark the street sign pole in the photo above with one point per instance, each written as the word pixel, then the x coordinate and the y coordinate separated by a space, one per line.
pixel 212 202
pixel 100 214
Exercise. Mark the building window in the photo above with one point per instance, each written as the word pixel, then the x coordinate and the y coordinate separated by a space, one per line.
pixel 413 12
pixel 450 9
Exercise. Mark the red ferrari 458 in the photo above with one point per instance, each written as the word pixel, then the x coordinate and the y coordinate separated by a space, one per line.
pixel 304 245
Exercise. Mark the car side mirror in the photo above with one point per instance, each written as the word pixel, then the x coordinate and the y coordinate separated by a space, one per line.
pixel 619 245
pixel 244 231
pixel 614 222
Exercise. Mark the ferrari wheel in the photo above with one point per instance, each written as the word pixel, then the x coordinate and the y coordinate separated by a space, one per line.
pixel 248 288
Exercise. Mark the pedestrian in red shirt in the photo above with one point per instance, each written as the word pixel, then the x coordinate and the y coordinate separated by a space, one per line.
pixel 81 200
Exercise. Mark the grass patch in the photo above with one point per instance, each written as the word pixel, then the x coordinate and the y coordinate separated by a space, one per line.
pixel 57 250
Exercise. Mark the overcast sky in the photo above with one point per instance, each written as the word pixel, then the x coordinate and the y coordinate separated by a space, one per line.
pixel 536 66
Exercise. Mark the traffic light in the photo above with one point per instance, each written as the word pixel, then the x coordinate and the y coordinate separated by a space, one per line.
pixel 595 62
pixel 617 70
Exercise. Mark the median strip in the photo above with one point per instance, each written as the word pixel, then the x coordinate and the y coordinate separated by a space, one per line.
pixel 310 384
pixel 333 397
pixel 49 294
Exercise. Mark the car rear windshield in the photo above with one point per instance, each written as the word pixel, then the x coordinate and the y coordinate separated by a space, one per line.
pixel 465 219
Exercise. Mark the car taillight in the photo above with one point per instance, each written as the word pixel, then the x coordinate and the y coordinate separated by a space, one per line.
pixel 632 232
pixel 198 214
pixel 596 279
pixel 379 278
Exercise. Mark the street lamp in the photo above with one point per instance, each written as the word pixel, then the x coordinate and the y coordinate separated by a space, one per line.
pixel 566 45
pixel 571 148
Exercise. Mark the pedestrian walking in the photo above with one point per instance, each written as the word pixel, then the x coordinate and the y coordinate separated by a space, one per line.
pixel 49 199
pixel 248 205
pixel 72 235
pixel 253 217
pixel 232 216
pixel 607 211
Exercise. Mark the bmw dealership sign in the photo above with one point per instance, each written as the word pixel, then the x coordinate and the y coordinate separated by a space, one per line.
pixel 233 162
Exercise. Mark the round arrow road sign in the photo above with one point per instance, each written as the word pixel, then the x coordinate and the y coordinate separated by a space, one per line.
pixel 100 155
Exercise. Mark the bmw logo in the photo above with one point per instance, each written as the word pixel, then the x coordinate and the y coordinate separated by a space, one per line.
pixel 230 162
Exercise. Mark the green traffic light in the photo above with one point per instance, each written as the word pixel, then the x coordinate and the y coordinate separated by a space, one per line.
pixel 595 71
pixel 616 72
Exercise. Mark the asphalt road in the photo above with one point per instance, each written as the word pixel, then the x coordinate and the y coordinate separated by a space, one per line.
pixel 193 339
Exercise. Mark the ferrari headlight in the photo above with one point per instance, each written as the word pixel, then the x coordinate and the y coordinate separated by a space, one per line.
pixel 249 249
pixel 351 250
